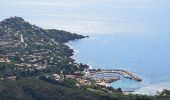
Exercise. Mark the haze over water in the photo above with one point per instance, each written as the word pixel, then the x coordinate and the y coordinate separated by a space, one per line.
pixel 124 34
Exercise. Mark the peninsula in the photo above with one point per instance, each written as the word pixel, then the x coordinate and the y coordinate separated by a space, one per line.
pixel 35 64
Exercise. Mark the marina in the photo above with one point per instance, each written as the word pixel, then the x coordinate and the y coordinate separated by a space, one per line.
pixel 111 75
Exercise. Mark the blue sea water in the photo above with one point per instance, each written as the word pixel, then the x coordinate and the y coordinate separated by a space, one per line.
pixel 146 56
pixel 124 34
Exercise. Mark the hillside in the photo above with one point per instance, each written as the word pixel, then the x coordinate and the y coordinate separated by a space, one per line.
pixel 35 89
pixel 35 64
pixel 28 46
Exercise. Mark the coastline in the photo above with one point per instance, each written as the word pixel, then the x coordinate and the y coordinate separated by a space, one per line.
pixel 144 88
pixel 75 52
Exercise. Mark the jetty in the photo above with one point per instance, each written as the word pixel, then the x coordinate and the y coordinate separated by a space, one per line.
pixel 113 74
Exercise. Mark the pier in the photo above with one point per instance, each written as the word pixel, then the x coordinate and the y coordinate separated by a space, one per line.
pixel 113 75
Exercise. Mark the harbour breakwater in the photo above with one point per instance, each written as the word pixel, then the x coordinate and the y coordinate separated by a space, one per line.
pixel 111 75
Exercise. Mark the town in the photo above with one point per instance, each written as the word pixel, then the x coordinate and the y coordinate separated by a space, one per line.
pixel 41 59
pixel 28 51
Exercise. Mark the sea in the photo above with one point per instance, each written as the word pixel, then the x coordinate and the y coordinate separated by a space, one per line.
pixel 147 57
pixel 133 35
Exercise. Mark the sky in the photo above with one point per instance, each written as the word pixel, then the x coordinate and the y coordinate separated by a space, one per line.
pixel 93 16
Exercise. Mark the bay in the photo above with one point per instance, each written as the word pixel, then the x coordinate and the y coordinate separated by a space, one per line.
pixel 124 34
pixel 146 56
